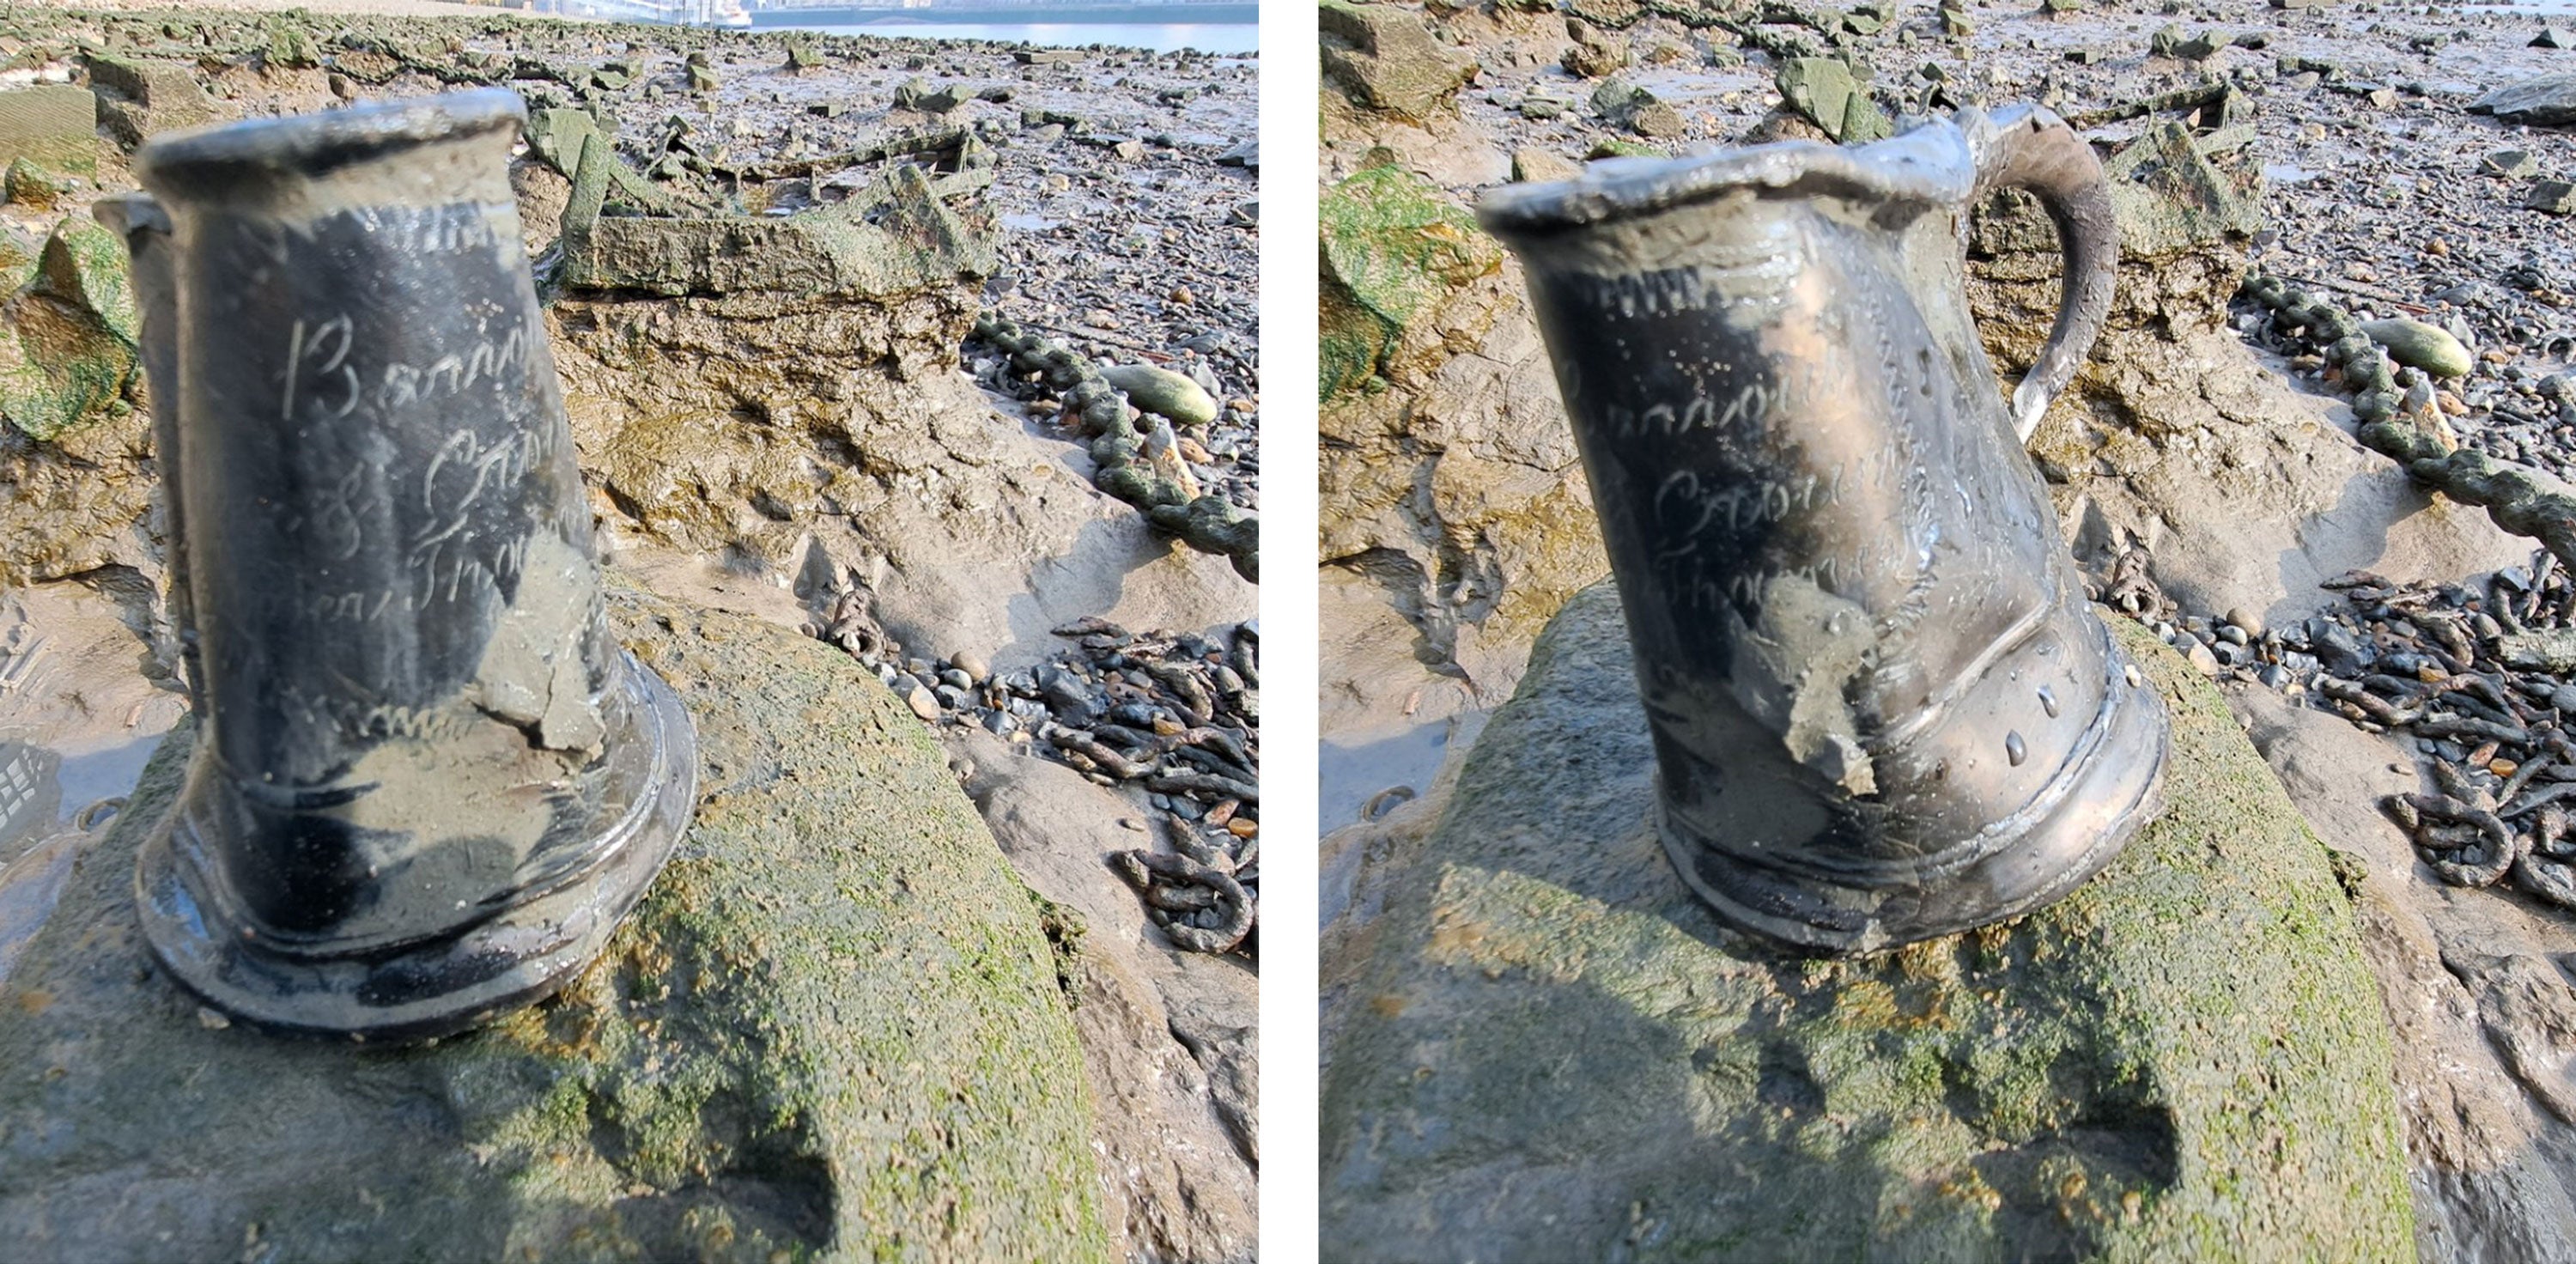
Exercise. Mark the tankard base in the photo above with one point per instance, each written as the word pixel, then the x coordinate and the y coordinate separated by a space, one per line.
pixel 2106 800
pixel 446 984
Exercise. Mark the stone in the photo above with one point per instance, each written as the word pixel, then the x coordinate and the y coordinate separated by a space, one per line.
pixel 2418 345
pixel 1632 107
pixel 1594 54
pixel 1541 106
pixel 2557 37
pixel 1173 1036
pixel 52 125
pixel 1163 393
pixel 1382 57
pixel 30 186
pixel 2246 618
pixel 136 99
pixel 70 350
pixel 1831 96
pixel 2171 42
pixel 2185 1057
pixel 1535 165
pixel 834 1027
pixel 2548 101
pixel 290 47
pixel 2201 657
pixel 1394 247
pixel 914 94
pixel 2512 164
pixel 2558 197
pixel 2540 649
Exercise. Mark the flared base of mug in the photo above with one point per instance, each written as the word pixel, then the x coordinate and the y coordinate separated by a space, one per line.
pixel 2099 804
pixel 439 986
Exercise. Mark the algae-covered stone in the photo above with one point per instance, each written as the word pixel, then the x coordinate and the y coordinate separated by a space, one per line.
pixel 833 1030
pixel 290 46
pixel 1556 1052
pixel 1383 57
pixel 2422 346
pixel 1833 98
pixel 1163 393
pixel 53 125
pixel 30 186
pixel 68 337
pixel 1394 247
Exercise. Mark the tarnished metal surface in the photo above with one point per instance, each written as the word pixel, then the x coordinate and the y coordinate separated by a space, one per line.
pixel 430 783
pixel 1882 708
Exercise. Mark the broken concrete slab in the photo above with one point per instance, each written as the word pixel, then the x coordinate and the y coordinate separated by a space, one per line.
pixel 895 237
pixel 137 99
pixel 52 125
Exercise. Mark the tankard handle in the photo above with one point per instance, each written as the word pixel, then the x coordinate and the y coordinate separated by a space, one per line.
pixel 2029 147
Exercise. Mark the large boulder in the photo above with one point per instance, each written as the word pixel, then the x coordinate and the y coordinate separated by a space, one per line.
pixel 1172 1037
pixel 75 454
pixel 1383 57
pixel 1448 469
pixel 1556 1052
pixel 833 1028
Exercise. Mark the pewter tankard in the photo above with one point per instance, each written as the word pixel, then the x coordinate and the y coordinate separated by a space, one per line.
pixel 426 783
pixel 1882 708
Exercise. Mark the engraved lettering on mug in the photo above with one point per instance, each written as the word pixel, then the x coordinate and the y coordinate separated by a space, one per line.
pixel 321 351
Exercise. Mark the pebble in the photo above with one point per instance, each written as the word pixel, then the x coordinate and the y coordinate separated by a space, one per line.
pixel 970 663
pixel 2202 659
pixel 922 703
pixel 1243 827
pixel 2244 618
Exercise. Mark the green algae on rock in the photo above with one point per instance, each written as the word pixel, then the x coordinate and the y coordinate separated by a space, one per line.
pixel 69 353
pixel 1395 249
pixel 832 1031
pixel 1556 1052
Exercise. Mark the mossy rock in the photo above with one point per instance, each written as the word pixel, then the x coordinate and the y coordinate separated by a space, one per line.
pixel 68 336
pixel 833 1030
pixel 1558 1053
pixel 1395 248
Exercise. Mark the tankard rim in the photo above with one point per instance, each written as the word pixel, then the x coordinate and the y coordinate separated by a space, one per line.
pixel 205 159
pixel 1932 163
